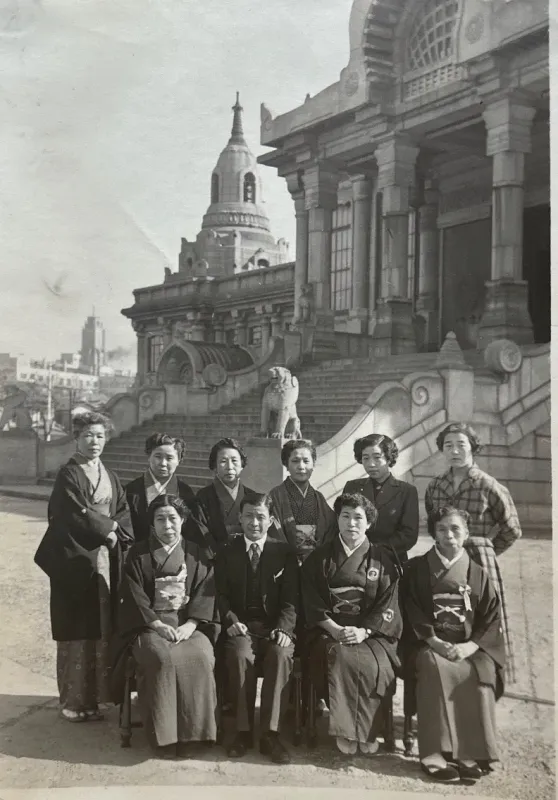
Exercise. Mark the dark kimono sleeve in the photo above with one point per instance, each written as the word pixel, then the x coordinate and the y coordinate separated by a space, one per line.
pixel 68 506
pixel 289 598
pixel 124 531
pixel 384 617
pixel 418 619
pixel 316 599
pixel 135 610
pixel 202 606
pixel 429 504
pixel 226 614
pixel 487 624
pixel 405 536
pixel 196 528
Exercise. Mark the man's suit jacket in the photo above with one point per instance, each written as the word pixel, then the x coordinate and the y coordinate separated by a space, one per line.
pixel 398 513
pixel 137 502
pixel 279 582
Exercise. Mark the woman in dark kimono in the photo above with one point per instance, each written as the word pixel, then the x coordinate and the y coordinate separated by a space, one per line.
pixel 396 501
pixel 494 525
pixel 219 502
pixel 167 616
pixel 303 514
pixel 81 552
pixel 164 454
pixel 350 597
pixel 454 653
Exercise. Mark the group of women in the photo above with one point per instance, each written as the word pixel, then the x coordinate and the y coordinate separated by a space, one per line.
pixel 175 578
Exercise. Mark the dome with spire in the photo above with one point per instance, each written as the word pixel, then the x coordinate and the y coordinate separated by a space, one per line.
pixel 236 188
pixel 236 234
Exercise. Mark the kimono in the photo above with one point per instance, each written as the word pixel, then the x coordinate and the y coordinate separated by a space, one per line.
pixel 305 521
pixel 360 590
pixel 218 513
pixel 175 681
pixel 494 528
pixel 398 514
pixel 136 495
pixel 454 700
pixel 84 575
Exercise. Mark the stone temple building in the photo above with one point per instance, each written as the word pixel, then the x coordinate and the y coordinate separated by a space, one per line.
pixel 420 292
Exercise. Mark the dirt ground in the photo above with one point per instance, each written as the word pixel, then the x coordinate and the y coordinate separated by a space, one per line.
pixel 38 749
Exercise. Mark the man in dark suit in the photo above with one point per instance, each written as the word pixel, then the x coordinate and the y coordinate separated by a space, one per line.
pixel 395 500
pixel 164 454
pixel 257 593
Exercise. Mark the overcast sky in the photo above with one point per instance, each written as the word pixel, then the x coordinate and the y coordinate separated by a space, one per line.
pixel 113 114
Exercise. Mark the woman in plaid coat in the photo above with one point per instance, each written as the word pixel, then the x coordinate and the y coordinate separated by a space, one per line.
pixel 494 523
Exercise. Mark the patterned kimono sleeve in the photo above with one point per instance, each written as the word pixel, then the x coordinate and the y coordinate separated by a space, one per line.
pixel 504 515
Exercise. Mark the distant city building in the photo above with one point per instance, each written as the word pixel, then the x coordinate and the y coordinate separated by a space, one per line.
pixel 93 345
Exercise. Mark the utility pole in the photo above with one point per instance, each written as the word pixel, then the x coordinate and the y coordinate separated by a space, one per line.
pixel 48 417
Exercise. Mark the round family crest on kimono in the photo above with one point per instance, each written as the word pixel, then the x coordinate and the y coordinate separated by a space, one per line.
pixel 373 574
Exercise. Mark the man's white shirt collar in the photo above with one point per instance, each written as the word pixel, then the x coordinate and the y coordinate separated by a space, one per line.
pixel 260 543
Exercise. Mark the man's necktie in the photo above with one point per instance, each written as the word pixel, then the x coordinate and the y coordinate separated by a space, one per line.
pixel 254 556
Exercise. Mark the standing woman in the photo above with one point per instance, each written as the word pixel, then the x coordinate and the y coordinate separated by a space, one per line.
pixel 81 552
pixel 164 454
pixel 396 501
pixel 494 525
pixel 302 512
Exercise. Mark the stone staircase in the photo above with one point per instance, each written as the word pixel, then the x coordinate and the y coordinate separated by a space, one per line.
pixel 330 394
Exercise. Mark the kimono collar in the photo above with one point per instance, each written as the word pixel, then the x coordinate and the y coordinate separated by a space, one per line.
pixel 233 492
pixel 156 544
pixel 349 552
pixel 292 483
pixel 152 481
pixel 446 561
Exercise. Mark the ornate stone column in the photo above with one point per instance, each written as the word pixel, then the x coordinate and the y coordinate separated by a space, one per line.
pixel 166 330
pixel 295 186
pixel 508 122
pixel 358 318
pixel 264 312
pixel 141 352
pixel 321 199
pixel 428 300
pixel 394 333
pixel 239 327
pixel 219 330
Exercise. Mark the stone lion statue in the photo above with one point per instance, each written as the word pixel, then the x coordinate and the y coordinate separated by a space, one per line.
pixel 279 401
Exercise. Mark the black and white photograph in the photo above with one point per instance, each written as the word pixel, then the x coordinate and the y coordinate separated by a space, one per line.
pixel 275 400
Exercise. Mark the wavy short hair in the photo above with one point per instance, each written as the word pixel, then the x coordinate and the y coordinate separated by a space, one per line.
pixel 355 500
pixel 256 499
pixel 82 421
pixel 442 512
pixel 159 439
pixel 296 444
pixel 387 446
pixel 164 500
pixel 226 444
pixel 460 427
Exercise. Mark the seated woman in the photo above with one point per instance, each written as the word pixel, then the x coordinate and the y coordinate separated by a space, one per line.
pixel 304 517
pixel 396 501
pixel 82 552
pixel 453 652
pixel 164 454
pixel 350 600
pixel 494 524
pixel 167 615
pixel 219 502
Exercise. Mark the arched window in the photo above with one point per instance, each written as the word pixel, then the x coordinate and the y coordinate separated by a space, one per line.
pixel 249 188
pixel 262 263
pixel 214 188
pixel 429 49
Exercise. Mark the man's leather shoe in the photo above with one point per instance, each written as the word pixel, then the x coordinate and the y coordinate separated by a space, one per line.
pixel 239 745
pixel 271 745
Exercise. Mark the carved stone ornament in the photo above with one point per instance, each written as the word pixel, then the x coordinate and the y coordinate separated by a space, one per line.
pixel 279 418
pixel 352 82
pixel 146 401
pixel 503 356
pixel 419 394
pixel 475 28
pixel 214 375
